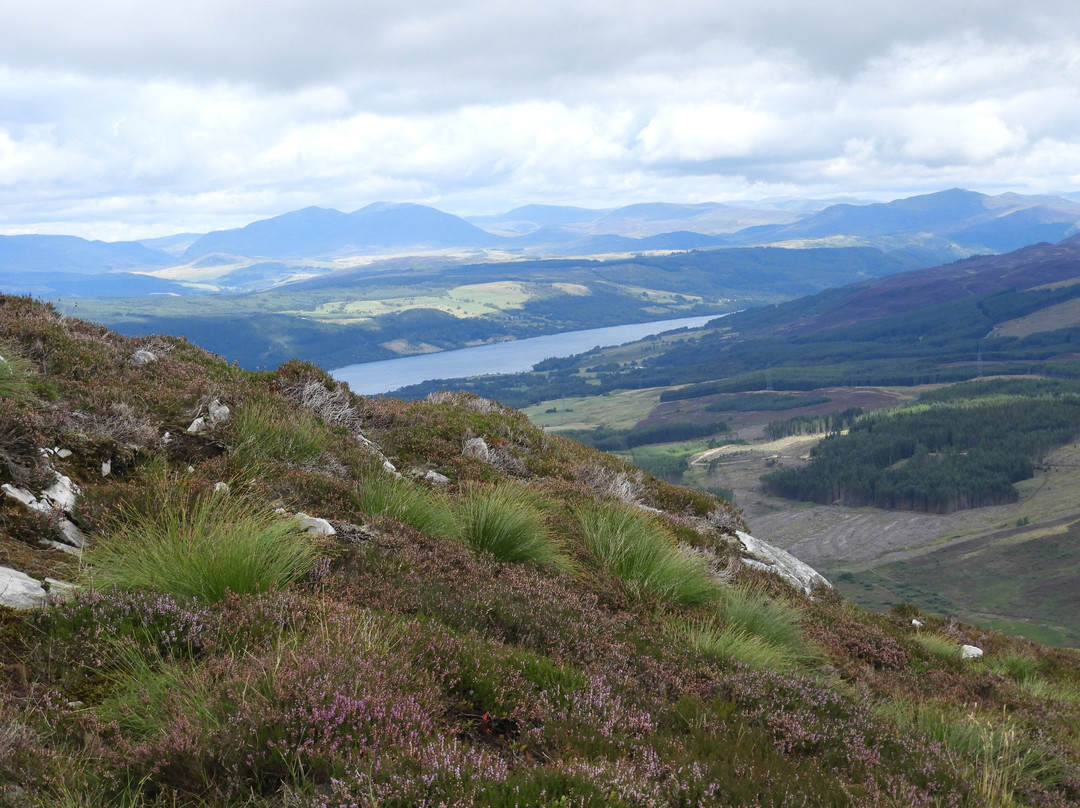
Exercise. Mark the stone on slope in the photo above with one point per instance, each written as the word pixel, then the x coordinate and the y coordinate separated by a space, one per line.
pixel 762 555
pixel 19 591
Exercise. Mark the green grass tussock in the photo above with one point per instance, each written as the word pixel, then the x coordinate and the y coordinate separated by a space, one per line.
pixel 17 375
pixel 507 522
pixel 395 498
pixel 202 547
pixel 643 556
pixel 264 429
pixel 728 641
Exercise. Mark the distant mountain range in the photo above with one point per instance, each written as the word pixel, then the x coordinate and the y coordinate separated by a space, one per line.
pixel 943 226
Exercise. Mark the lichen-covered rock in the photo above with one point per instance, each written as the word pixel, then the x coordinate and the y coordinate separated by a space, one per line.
pixel 478 448
pixel 762 555
pixel 143 357
pixel 19 591
pixel 315 525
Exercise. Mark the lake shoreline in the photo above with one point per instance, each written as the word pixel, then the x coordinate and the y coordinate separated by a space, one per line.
pixel 509 356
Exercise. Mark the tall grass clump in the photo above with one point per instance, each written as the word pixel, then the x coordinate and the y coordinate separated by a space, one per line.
pixel 17 375
pixel 713 638
pixel 643 556
pixel 406 502
pixel 264 429
pixel 751 610
pixel 943 649
pixel 995 749
pixel 202 546
pixel 506 522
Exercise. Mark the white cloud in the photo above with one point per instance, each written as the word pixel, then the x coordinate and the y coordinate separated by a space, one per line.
pixel 205 114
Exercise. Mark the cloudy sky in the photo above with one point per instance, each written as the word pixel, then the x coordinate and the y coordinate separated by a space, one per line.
pixel 137 118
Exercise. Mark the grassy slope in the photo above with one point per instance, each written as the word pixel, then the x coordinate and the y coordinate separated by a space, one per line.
pixel 407 668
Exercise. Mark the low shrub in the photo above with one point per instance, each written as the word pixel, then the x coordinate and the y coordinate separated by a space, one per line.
pixel 202 546
pixel 643 556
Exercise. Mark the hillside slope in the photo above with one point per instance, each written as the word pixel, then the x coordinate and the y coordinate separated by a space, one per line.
pixel 469 612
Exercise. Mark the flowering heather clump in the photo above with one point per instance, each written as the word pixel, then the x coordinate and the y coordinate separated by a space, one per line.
pixel 88 626
pixel 854 640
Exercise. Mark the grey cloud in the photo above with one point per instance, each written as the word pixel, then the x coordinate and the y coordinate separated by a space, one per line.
pixel 479 47
pixel 139 110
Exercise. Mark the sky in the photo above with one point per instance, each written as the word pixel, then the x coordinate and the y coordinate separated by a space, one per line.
pixel 124 119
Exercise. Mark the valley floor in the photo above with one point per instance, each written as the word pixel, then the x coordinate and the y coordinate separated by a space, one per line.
pixel 949 563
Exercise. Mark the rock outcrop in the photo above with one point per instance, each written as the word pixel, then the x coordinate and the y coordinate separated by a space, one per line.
pixel 762 555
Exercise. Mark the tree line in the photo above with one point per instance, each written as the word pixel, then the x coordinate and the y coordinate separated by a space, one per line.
pixel 946 453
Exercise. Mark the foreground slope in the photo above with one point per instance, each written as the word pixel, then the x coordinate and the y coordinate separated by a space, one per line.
pixel 514 620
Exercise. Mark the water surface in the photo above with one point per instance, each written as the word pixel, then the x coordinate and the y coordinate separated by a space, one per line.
pixel 372 378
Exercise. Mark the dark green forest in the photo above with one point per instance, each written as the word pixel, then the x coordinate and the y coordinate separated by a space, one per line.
pixel 963 447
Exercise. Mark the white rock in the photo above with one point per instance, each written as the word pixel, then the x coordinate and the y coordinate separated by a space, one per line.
pixel 217 412
pixel 106 468
pixel 59 589
pixel 313 524
pixel 62 493
pixel 197 426
pixel 19 494
pixel 389 467
pixel 19 591
pixel 63 454
pixel 434 477
pixel 221 488
pixel 49 544
pixel 762 555
pixel 142 357
pixel 916 622
pixel 27 499
pixel 71 533
pixel 970 652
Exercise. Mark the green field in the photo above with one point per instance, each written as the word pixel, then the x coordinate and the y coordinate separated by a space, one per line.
pixel 618 410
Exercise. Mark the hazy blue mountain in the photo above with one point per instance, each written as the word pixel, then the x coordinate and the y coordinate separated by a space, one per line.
pixel 71 254
pixel 638 220
pixel 712 218
pixel 999 223
pixel 661 210
pixel 317 231
pixel 680 240
pixel 562 241
pixel 530 218
pixel 51 285
pixel 173 245
pixel 1018 229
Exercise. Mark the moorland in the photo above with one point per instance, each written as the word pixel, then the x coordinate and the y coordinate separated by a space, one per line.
pixel 290 595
